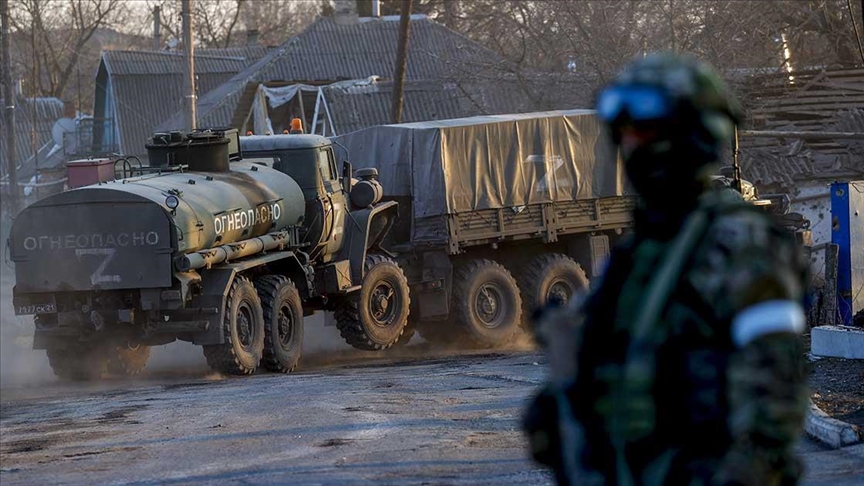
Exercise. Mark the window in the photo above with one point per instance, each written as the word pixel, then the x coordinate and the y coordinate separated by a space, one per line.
pixel 326 165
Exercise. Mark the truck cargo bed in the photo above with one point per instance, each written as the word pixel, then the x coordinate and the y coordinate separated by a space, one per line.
pixel 544 222
pixel 479 180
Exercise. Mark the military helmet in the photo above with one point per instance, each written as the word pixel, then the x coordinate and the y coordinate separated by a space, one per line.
pixel 665 87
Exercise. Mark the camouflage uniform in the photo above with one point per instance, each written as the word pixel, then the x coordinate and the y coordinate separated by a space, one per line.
pixel 689 369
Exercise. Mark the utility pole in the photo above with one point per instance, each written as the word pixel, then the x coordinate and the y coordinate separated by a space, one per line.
pixel 34 136
pixel 9 98
pixel 156 26
pixel 401 63
pixel 189 71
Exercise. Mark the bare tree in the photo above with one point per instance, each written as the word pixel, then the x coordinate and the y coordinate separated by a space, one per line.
pixel 221 23
pixel 51 37
pixel 217 20
pixel 277 21
pixel 579 44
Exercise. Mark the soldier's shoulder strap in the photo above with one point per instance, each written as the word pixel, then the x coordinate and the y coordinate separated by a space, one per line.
pixel 660 287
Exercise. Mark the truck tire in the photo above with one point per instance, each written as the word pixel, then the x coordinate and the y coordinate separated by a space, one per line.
pixel 243 328
pixel 375 317
pixel 126 360
pixel 547 276
pixel 283 323
pixel 78 362
pixel 407 333
pixel 487 307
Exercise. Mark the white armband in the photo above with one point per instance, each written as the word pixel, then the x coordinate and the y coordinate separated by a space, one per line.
pixel 773 316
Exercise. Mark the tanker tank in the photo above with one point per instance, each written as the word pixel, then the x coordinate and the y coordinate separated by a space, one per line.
pixel 217 208
pixel 126 233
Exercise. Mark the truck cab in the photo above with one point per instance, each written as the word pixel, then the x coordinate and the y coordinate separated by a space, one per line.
pixel 345 223
pixel 309 160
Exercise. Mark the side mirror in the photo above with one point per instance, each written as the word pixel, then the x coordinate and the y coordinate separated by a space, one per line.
pixel 347 170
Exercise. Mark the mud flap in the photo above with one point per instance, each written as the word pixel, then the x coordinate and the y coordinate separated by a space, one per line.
pixel 214 285
pixel 365 229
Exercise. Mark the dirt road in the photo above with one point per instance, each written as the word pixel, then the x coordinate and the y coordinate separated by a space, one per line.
pixel 444 420
pixel 450 420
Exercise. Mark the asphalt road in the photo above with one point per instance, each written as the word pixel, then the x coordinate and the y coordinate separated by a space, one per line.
pixel 358 420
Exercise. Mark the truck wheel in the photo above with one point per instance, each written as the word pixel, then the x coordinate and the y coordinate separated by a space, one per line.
pixel 375 317
pixel 486 304
pixel 283 323
pixel 78 362
pixel 546 277
pixel 127 360
pixel 243 328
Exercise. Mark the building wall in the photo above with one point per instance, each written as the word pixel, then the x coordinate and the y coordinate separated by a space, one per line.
pixel 812 199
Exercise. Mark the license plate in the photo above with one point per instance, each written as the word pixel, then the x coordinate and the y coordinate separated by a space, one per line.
pixel 47 308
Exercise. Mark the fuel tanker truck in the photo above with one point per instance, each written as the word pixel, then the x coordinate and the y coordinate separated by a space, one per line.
pixel 209 248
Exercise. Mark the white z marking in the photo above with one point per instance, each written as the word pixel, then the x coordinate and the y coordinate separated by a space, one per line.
pixel 108 254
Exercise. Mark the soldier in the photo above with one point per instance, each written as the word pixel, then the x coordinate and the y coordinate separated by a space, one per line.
pixel 687 367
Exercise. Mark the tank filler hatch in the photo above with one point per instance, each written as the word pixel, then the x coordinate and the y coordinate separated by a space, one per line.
pixel 202 150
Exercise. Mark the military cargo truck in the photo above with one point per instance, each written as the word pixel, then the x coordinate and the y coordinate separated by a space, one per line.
pixel 498 214
pixel 205 247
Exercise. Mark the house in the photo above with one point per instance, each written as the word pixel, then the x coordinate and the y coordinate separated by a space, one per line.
pixel 337 76
pixel 45 111
pixel 819 100
pixel 34 117
pixel 137 90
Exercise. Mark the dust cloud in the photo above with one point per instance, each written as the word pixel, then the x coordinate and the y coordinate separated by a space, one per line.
pixel 177 357
pixel 20 365
pixel 182 358
pixel 321 336
pixel 324 347
pixel 23 367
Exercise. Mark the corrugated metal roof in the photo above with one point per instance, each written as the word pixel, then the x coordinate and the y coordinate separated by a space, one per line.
pixel 359 107
pixel 125 63
pixel 145 101
pixel 783 165
pixel 47 112
pixel 355 109
pixel 766 168
pixel 815 100
pixel 328 52
pixel 148 85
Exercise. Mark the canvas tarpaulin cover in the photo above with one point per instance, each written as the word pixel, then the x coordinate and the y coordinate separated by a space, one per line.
pixel 273 97
pixel 500 161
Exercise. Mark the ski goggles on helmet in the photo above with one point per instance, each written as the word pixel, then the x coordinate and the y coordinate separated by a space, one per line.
pixel 640 103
